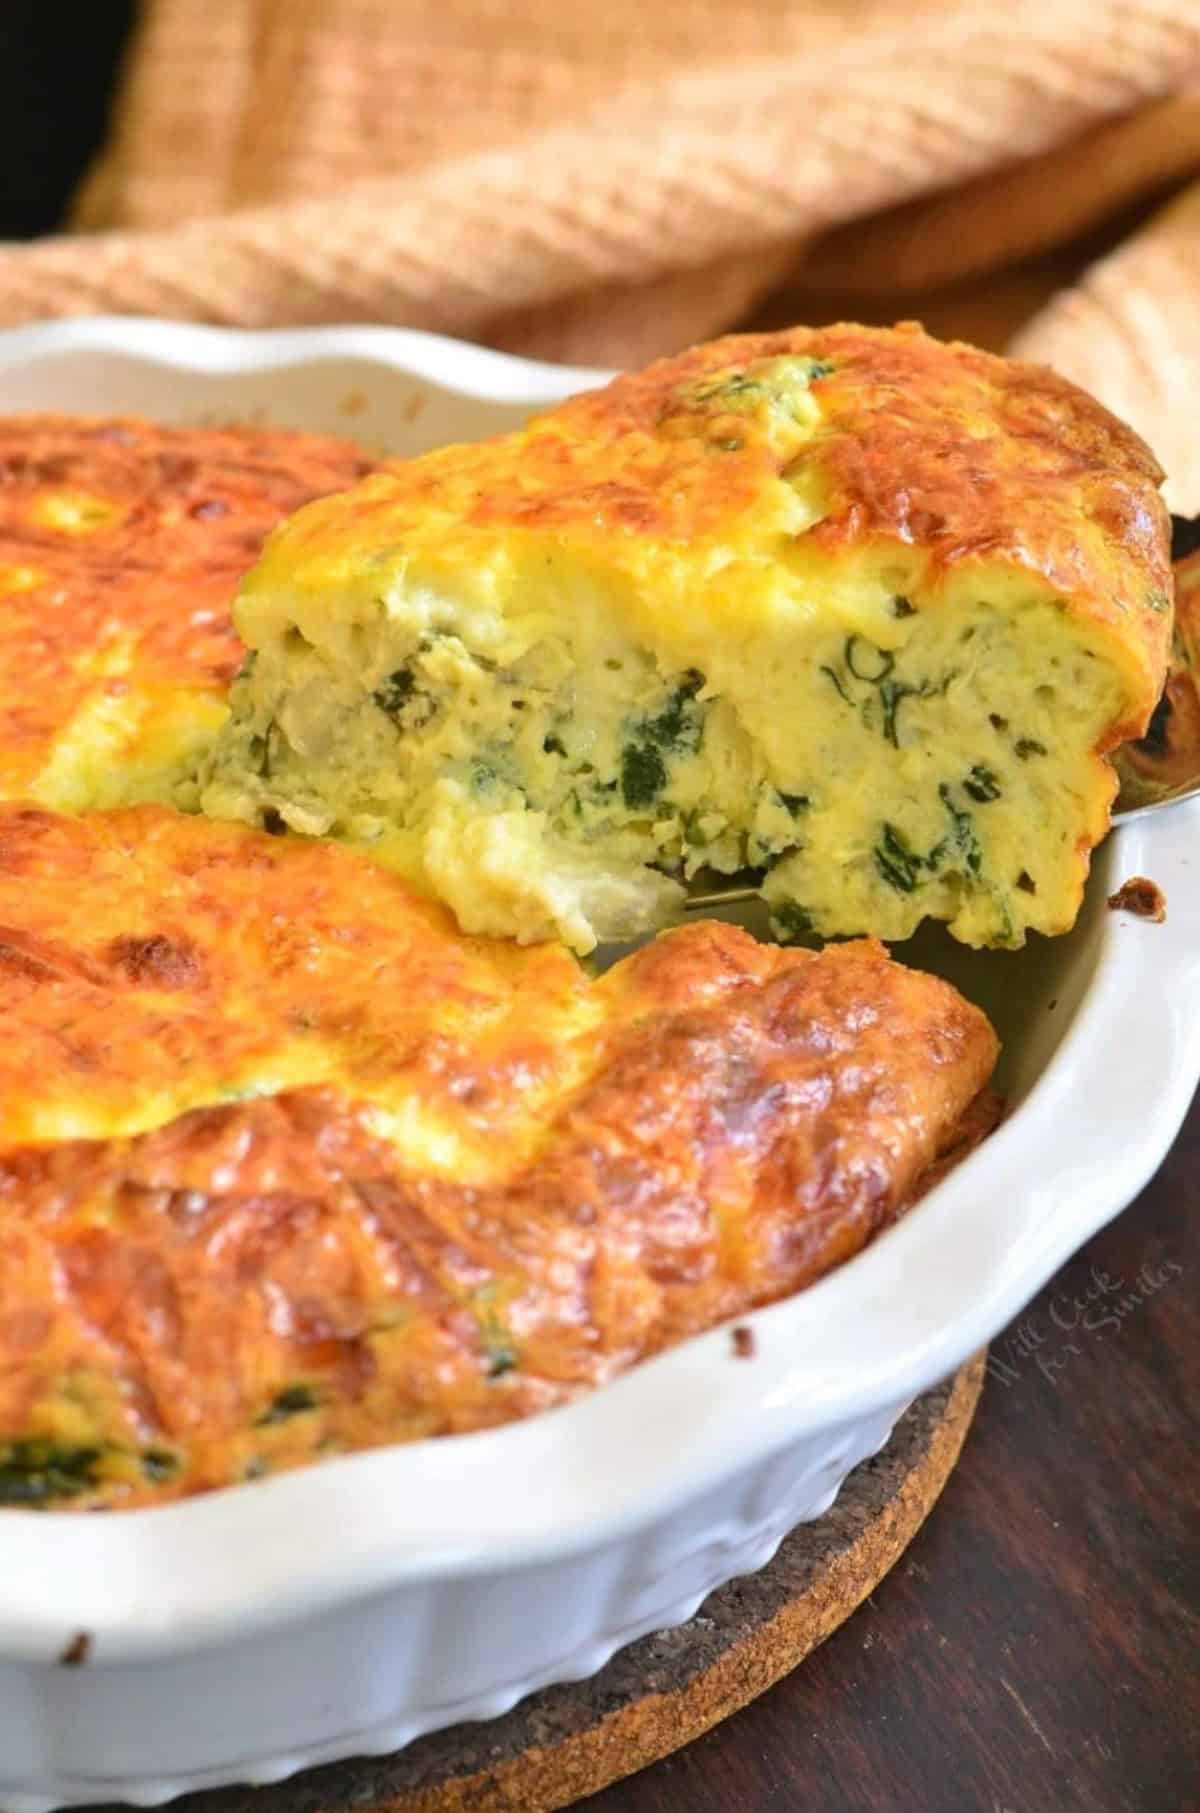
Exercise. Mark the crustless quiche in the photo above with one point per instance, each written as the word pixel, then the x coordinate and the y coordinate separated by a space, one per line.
pixel 850 608
pixel 290 1163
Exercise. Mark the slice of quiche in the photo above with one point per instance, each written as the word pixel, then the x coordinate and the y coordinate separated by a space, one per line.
pixel 851 608
pixel 288 1166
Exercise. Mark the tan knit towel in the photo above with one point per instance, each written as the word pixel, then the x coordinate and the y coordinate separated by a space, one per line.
pixel 605 182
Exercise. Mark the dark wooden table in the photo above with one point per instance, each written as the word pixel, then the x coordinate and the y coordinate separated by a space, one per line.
pixel 1037 1650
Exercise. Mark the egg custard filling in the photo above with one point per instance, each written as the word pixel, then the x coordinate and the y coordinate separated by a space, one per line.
pixel 852 609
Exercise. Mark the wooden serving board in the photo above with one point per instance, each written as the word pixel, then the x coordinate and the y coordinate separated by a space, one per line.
pixel 567 1742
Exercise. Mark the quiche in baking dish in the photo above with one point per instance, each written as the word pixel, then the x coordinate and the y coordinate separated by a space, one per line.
pixel 290 1163
pixel 856 610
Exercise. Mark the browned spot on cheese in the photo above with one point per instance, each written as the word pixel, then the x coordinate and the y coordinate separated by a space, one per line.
pixel 157 961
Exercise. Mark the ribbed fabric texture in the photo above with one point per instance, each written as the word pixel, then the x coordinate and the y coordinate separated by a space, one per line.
pixel 606 182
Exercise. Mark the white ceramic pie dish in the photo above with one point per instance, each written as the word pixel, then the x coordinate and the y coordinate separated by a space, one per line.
pixel 344 1609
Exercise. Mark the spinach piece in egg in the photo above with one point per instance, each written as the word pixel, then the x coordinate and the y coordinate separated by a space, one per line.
pixel 903 868
pixel 794 924
pixel 404 700
pixel 899 864
pixel 37 1471
pixel 962 838
pixel 892 694
pixel 982 784
pixel 768 383
pixel 874 667
pixel 499 1348
pixel 866 661
pixel 643 775
pixel 832 674
pixel 159 1464
pixel 675 729
pixel 394 693
pixel 263 750
pixel 293 1400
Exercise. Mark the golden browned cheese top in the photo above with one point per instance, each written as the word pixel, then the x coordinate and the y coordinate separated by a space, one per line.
pixel 288 1166
pixel 121 544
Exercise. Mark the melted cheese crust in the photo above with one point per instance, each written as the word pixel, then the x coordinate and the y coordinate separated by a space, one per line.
pixel 856 609
pixel 121 545
pixel 288 1166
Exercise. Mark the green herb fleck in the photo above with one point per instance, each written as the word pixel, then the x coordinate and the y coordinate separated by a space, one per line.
pixel 260 752
pixel 554 745
pixel 873 666
pixel 902 607
pixel 982 784
pixel 1027 746
pixel 964 832
pixel 36 1471
pixel 899 865
pixel 892 695
pixel 745 390
pixel 643 775
pixel 836 678
pixel 394 693
pixel 793 803
pixel 738 386
pixel 401 698
pixel 159 1464
pixel 293 1400
pixel 792 923
pixel 894 692
pixel 498 1346
pixel 482 775
pixel 677 727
